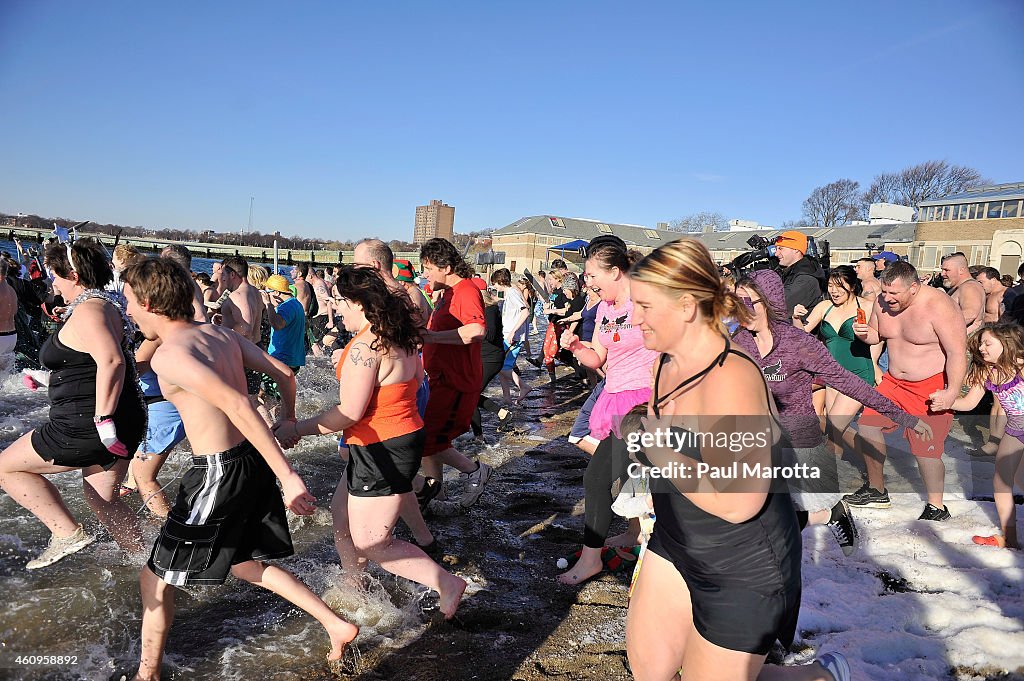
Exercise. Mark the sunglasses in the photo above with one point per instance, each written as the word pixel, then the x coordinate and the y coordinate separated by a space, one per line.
pixel 749 302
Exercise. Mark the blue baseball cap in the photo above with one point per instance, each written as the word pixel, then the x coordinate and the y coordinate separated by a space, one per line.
pixel 888 256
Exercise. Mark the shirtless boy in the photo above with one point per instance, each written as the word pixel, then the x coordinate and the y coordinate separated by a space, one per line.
pixel 229 515
pixel 925 332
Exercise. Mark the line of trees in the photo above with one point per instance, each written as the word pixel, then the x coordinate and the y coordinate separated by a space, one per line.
pixel 254 238
pixel 843 201
pixel 840 202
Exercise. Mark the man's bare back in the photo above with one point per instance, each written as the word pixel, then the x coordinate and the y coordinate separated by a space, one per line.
pixel 970 298
pixel 8 306
pixel 994 305
pixel 242 312
pixel 912 335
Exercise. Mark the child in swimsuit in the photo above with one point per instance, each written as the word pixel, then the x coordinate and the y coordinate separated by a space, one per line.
pixel 997 359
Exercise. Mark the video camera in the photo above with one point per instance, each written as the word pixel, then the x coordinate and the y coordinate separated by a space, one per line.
pixel 763 256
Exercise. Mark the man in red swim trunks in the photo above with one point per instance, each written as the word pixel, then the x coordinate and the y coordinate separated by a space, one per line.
pixel 927 340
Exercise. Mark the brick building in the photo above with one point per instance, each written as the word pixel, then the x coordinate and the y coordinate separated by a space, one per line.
pixel 437 219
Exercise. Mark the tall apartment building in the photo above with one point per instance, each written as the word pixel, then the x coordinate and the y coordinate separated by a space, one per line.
pixel 436 219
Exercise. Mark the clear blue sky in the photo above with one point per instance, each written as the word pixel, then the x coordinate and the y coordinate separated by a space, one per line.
pixel 341 117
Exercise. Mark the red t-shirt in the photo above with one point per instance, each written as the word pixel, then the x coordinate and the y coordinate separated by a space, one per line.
pixel 457 366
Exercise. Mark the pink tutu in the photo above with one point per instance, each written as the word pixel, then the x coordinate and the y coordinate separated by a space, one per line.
pixel 611 407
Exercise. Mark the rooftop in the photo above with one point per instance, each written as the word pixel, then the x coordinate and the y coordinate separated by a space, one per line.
pixel 1011 190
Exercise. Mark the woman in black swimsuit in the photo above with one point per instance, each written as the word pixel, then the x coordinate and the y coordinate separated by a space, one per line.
pixel 721 579
pixel 97 417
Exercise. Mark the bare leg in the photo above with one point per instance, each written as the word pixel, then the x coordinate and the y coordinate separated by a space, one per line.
pixel 372 519
pixel 629 538
pixel 288 587
pixel 873 450
pixel 505 378
pixel 157 615
pixel 146 472
pixel 100 489
pixel 996 428
pixel 21 476
pixel 351 561
pixel 933 472
pixel 659 621
pixel 413 518
pixel 1008 461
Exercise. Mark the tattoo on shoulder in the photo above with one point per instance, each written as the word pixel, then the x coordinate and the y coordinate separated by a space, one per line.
pixel 362 355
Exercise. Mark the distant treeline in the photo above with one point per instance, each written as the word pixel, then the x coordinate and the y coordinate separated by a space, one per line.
pixel 254 238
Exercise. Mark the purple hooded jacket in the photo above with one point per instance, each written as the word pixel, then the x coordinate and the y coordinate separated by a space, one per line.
pixel 795 360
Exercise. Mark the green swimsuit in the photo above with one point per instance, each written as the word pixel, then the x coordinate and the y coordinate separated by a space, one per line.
pixel 852 353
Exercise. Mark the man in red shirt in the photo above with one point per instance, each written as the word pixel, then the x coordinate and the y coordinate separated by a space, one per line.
pixel 451 358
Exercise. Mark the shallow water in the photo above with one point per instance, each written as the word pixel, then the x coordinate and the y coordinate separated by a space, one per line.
pixel 87 605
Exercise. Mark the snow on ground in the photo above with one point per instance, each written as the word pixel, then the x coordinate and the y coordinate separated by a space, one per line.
pixel 919 600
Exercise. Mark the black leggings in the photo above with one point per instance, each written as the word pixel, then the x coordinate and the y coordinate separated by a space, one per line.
pixel 609 463
pixel 492 367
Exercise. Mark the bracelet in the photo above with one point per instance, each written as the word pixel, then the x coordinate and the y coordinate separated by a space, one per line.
pixel 100 419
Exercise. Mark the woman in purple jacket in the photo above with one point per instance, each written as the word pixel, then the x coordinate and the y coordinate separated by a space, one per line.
pixel 791 360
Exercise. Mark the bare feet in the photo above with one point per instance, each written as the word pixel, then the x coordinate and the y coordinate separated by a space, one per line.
pixel 626 540
pixel 341 635
pixel 451 595
pixel 586 567
pixel 523 394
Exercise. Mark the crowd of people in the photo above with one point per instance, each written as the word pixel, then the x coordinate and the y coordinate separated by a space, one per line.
pixel 137 353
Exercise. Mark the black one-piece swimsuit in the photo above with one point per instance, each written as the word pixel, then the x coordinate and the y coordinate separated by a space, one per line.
pixel 743 578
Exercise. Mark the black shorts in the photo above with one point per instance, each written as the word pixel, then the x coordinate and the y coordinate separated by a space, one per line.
pixel 384 468
pixel 74 442
pixel 253 381
pixel 318 327
pixel 229 510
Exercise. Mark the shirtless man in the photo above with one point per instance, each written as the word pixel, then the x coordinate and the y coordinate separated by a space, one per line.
pixel 866 273
pixel 8 308
pixel 965 291
pixel 229 510
pixel 927 343
pixel 303 289
pixel 181 255
pixel 242 311
pixel 994 289
pixel 378 255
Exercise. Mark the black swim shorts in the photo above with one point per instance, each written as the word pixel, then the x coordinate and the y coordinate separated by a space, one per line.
pixel 384 468
pixel 229 510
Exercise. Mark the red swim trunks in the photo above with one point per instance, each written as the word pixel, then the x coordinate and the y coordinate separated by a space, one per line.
pixel 912 397
pixel 448 416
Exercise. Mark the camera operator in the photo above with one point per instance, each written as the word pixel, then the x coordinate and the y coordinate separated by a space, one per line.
pixel 802 276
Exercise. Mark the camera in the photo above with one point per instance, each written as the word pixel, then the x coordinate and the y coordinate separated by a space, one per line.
pixel 763 256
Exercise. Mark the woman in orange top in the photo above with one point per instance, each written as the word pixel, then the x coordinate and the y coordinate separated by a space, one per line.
pixel 379 372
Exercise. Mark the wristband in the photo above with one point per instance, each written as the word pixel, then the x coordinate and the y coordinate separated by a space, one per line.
pixel 105 417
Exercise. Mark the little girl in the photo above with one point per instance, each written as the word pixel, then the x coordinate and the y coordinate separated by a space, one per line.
pixel 997 360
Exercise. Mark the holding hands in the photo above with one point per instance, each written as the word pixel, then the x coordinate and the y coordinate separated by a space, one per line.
pixel 287 433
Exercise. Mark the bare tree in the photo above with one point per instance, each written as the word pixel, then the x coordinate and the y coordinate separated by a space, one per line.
pixel 795 224
pixel 922 182
pixel 834 204
pixel 705 221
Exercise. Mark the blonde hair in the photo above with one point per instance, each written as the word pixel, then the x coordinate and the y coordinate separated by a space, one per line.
pixel 258 275
pixel 685 267
pixel 127 254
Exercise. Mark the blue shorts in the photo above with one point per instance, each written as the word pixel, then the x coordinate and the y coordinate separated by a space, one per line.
pixel 581 426
pixel 165 429
pixel 511 355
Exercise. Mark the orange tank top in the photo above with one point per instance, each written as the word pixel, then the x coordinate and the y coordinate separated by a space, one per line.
pixel 391 411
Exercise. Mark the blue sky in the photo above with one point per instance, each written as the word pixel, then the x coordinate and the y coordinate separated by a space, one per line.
pixel 341 117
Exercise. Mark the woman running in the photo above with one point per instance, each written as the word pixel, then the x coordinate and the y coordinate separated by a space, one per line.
pixel 791 360
pixel 618 348
pixel 380 372
pixel 836 317
pixel 97 417
pixel 720 582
